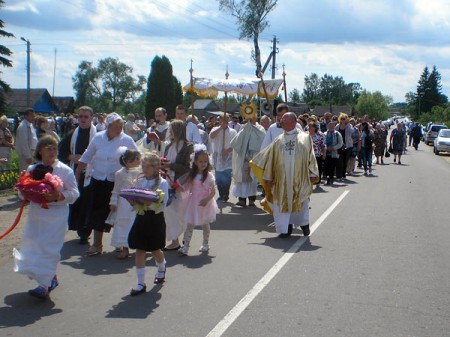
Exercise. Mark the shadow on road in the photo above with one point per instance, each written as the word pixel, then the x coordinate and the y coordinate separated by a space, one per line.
pixel 137 307
pixel 10 203
pixel 285 244
pixel 23 310
pixel 74 255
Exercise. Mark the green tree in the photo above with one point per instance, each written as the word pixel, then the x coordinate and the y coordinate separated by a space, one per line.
pixel 160 87
pixel 329 90
pixel 311 90
pixel 294 96
pixel 374 105
pixel 428 93
pixel 251 18
pixel 5 62
pixel 178 91
pixel 108 87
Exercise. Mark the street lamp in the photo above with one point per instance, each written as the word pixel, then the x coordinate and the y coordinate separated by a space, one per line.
pixel 28 69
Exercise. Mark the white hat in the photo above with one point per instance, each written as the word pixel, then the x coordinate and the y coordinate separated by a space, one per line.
pixel 112 117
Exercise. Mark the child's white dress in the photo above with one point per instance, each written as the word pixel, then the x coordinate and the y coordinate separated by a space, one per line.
pixel 125 214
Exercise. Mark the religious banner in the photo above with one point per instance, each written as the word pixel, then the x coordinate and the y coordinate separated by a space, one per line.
pixel 210 87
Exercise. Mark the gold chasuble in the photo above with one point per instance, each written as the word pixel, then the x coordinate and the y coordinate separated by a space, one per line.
pixel 288 163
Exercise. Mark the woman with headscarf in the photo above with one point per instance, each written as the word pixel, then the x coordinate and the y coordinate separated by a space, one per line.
pixel 398 142
pixel 380 138
pixel 178 162
pixel 103 155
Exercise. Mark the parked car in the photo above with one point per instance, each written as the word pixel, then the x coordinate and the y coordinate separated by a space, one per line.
pixel 442 141
pixel 433 132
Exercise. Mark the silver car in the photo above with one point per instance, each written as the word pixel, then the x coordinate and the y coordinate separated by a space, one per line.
pixel 433 132
pixel 442 141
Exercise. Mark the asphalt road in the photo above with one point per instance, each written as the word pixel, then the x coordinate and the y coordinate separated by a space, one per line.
pixel 376 264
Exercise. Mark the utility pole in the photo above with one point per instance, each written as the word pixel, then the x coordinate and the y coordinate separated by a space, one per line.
pixel 274 56
pixel 54 76
pixel 28 69
pixel 284 84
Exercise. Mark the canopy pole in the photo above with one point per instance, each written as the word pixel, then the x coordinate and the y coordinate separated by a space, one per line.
pixel 284 85
pixel 265 94
pixel 225 100
pixel 191 71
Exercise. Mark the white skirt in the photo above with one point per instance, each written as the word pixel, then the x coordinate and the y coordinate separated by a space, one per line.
pixel 244 190
pixel 282 220
pixel 42 241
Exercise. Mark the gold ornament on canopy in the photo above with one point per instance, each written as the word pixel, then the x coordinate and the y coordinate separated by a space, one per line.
pixel 248 110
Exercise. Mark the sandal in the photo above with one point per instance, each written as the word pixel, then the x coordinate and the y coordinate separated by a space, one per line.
pixel 124 253
pixel 94 250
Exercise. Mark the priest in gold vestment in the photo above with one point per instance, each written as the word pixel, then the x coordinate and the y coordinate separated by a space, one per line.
pixel 286 169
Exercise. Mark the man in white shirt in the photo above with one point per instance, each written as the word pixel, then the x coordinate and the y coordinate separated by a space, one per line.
pixel 130 128
pixel 234 123
pixel 192 133
pixel 26 140
pixel 275 129
pixel 222 151
pixel 101 125
pixel 157 132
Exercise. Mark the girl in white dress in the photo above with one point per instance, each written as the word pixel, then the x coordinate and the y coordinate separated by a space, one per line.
pixel 123 213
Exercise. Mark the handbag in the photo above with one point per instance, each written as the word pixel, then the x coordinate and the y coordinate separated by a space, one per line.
pixel 387 154
pixel 390 150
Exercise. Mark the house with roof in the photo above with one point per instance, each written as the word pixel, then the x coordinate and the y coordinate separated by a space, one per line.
pixel 232 108
pixel 65 104
pixel 298 108
pixel 40 100
pixel 202 107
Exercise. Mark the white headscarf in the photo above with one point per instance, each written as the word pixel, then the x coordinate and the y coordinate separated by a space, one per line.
pixel 112 117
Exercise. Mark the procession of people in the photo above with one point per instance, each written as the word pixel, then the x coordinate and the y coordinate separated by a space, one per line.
pixel 193 175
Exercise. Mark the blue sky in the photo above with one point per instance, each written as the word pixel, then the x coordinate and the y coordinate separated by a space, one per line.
pixel 382 44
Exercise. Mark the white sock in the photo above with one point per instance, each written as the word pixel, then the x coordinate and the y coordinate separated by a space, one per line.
pixel 140 272
pixel 161 266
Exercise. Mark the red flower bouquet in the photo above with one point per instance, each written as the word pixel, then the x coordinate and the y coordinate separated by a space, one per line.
pixel 38 181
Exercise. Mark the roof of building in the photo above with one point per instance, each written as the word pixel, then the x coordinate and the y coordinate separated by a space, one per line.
pixel 17 100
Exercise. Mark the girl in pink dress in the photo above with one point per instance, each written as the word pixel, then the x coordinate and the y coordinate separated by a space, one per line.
pixel 201 207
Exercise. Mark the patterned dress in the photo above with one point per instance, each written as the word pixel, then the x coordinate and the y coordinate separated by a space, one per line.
pixel 380 142
pixel 398 141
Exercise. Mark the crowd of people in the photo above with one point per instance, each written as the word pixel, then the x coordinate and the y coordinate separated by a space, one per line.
pixel 186 161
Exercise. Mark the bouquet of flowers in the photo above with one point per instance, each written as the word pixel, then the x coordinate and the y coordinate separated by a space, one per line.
pixel 32 185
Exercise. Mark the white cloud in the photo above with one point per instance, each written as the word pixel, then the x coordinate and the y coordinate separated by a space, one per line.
pixel 383 45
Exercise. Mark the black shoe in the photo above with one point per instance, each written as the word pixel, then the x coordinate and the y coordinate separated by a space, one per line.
pixel 305 230
pixel 284 235
pixel 134 292
pixel 160 277
pixel 290 227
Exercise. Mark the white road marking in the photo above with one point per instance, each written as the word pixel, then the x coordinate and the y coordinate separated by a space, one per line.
pixel 234 313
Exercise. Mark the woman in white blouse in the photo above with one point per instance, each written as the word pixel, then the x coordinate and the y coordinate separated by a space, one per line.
pixel 103 154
